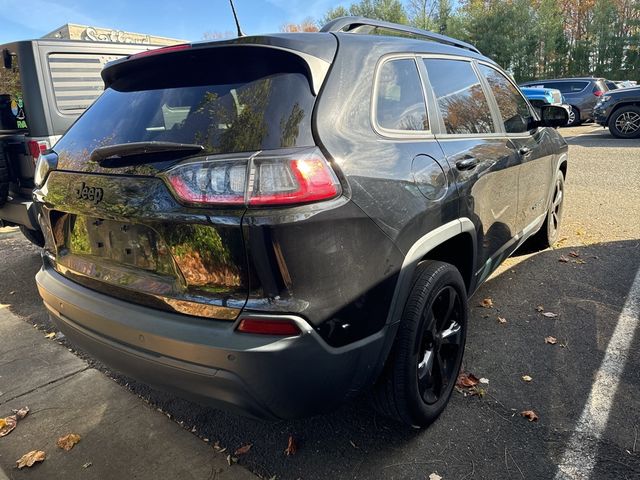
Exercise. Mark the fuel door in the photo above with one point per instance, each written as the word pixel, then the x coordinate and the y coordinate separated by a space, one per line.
pixel 429 177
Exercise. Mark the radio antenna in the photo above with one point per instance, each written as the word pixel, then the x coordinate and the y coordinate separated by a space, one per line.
pixel 235 17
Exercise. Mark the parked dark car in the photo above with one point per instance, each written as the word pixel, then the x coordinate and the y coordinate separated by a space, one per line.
pixel 45 85
pixel 581 93
pixel 303 225
pixel 620 111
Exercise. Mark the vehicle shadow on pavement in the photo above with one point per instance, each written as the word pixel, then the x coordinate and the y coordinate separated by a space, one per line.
pixel 603 139
pixel 475 437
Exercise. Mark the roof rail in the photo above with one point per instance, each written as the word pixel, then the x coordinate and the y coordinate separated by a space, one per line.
pixel 367 25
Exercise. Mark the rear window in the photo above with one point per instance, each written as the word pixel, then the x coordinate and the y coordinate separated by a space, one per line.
pixel 564 87
pixel 224 104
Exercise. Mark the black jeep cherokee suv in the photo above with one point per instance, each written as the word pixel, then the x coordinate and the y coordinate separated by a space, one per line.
pixel 274 224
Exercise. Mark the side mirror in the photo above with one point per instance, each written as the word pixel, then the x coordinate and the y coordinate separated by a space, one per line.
pixel 7 58
pixel 553 116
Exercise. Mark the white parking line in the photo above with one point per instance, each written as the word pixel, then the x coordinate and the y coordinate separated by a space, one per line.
pixel 580 456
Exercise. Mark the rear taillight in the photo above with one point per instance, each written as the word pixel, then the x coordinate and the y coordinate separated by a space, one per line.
pixel 597 92
pixel 36 148
pixel 264 326
pixel 263 180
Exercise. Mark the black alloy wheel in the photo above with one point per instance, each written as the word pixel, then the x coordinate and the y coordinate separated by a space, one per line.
pixel 421 371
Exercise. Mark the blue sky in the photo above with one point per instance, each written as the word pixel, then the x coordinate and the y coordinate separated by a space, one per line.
pixel 185 19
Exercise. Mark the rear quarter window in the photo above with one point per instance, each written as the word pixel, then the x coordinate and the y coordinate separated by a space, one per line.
pixel 400 104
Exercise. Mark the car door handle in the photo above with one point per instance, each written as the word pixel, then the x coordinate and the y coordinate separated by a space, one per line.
pixel 467 163
pixel 524 151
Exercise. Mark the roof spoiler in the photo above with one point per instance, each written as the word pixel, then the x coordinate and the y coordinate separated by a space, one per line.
pixel 365 26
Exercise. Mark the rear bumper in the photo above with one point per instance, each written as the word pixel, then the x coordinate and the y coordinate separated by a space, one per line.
pixel 206 360
pixel 20 212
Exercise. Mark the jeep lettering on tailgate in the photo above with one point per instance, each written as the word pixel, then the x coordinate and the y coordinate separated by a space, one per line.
pixel 93 194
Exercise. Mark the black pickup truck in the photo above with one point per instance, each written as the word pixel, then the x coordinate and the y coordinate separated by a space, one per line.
pixel 45 85
pixel 620 111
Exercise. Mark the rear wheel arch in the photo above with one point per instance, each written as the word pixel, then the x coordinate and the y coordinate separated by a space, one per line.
pixel 436 245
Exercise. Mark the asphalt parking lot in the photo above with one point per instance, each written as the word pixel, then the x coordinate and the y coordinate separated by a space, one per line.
pixel 585 388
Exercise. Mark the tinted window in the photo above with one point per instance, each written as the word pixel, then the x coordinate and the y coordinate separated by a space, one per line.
pixel 460 97
pixel 564 87
pixel 514 110
pixel 225 111
pixel 400 102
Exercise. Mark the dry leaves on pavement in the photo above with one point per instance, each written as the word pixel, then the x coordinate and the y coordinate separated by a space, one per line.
pixel 550 340
pixel 50 335
pixel 486 303
pixel 434 476
pixel 243 449
pixel 530 415
pixel 502 320
pixel 527 378
pixel 467 380
pixel 68 441
pixel 7 424
pixel 549 314
pixel 563 259
pixel 539 308
pixel 292 447
pixel 28 459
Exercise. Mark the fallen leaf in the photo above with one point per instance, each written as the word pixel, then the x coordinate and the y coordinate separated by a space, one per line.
pixel 21 413
pixel 292 447
pixel 466 380
pixel 574 254
pixel 7 425
pixel 12 292
pixel 530 415
pixel 231 460
pixel 550 340
pixel 502 320
pixel 563 259
pixel 539 308
pixel 243 449
pixel 484 380
pixel 549 314
pixel 435 476
pixel 50 335
pixel 28 459
pixel 487 303
pixel 68 441
pixel 87 465
pixel 526 378
pixel 579 261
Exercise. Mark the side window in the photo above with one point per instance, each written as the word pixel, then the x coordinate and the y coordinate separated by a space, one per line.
pixel 460 97
pixel 400 101
pixel 515 112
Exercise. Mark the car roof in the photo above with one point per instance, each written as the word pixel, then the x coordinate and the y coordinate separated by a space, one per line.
pixel 565 79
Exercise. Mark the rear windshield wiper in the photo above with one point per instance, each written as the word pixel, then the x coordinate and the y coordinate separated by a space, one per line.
pixel 122 153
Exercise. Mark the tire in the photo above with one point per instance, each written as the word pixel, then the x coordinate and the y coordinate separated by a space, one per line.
pixel 625 122
pixel 34 236
pixel 574 117
pixel 550 230
pixel 4 180
pixel 422 368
